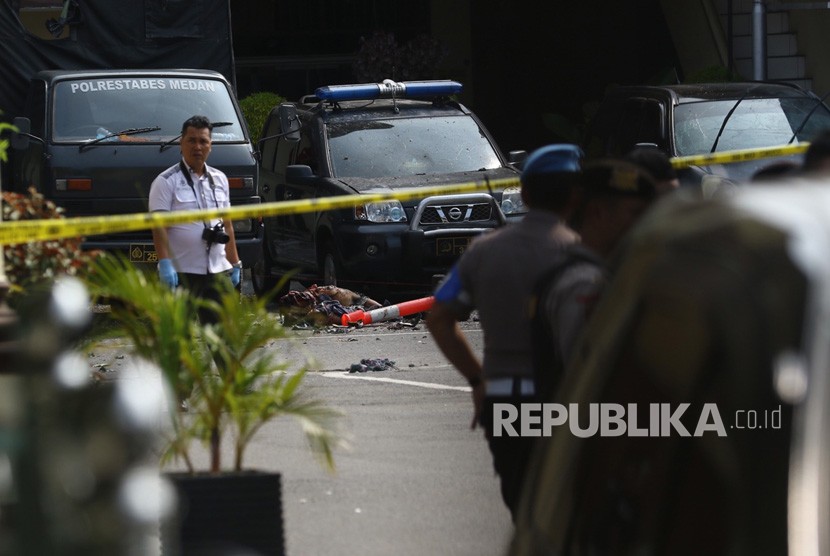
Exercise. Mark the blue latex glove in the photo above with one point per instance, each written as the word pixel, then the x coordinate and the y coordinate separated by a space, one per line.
pixel 167 274
pixel 236 275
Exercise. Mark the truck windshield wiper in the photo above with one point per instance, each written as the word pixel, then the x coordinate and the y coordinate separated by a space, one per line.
pixel 729 115
pixel 808 116
pixel 179 136
pixel 128 131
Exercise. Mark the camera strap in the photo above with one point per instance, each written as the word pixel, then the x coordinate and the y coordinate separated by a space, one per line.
pixel 186 171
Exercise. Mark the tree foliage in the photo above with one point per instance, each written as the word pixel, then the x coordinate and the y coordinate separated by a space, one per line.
pixel 255 110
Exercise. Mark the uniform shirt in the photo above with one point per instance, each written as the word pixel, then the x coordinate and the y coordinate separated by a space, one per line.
pixel 170 192
pixel 568 304
pixel 496 276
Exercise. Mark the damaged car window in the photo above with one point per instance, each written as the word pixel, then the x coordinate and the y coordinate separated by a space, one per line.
pixel 409 147
pixel 755 123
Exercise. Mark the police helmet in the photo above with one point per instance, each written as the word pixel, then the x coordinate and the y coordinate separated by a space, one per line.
pixel 549 174
pixel 552 160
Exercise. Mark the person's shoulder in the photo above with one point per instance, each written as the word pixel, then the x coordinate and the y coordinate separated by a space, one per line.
pixel 581 273
pixel 215 172
pixel 546 224
pixel 169 172
pixel 579 254
pixel 582 264
pixel 576 266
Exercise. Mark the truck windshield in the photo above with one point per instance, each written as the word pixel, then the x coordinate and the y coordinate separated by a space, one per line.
pixel 409 147
pixel 90 108
pixel 760 122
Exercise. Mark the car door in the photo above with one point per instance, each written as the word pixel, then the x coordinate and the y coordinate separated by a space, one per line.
pixel 271 176
pixel 638 120
pixel 295 232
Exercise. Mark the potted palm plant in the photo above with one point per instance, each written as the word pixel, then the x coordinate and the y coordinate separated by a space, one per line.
pixel 231 388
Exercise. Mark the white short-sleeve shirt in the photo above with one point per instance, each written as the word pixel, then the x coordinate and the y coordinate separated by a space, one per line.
pixel 170 191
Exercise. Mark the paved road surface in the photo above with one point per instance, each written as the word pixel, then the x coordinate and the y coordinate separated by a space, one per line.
pixel 415 480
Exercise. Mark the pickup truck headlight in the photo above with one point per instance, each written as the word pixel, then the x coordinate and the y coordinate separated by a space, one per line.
pixel 511 201
pixel 381 211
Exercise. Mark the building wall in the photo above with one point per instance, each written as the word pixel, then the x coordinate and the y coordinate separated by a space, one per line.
pixel 811 28
pixel 533 61
pixel 696 33
pixel 519 61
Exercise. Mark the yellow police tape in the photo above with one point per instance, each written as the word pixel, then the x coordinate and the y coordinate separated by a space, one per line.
pixel 24 231
pixel 742 155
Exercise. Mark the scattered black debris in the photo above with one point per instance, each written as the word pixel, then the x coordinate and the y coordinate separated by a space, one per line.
pixel 373 365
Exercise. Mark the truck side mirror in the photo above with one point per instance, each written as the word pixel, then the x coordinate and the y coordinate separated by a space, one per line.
pixel 289 122
pixel 20 139
pixel 298 172
pixel 517 159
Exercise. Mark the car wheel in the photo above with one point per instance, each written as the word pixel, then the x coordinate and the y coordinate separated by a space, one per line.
pixel 260 279
pixel 263 278
pixel 331 269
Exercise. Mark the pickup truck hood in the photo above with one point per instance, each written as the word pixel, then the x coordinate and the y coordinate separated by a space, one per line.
pixel 367 185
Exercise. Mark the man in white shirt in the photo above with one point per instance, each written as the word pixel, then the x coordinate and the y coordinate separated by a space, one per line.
pixel 195 254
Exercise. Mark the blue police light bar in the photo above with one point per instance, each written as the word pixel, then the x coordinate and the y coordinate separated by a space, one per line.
pixel 388 89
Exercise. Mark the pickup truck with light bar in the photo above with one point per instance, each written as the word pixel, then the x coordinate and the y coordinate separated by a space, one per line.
pixel 92 142
pixel 367 138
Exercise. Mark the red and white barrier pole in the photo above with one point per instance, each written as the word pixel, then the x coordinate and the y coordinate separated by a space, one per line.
pixel 388 313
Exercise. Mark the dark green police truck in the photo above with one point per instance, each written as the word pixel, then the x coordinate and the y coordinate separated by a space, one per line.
pixel 92 141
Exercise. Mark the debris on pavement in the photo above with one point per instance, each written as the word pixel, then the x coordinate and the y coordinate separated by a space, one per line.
pixel 374 365
pixel 322 305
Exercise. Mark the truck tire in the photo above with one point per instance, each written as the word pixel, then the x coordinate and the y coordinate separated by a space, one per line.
pixel 330 268
pixel 263 278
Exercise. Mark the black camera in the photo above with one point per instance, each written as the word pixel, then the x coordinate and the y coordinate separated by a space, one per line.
pixel 215 234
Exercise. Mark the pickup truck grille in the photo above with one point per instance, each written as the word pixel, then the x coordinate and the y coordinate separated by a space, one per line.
pixel 441 214
pixel 470 213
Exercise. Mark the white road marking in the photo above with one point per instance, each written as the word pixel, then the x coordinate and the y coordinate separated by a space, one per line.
pixel 431 385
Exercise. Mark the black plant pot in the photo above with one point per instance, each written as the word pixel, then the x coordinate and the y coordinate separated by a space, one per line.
pixel 227 513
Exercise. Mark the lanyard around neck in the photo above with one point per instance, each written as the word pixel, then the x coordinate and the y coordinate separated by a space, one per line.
pixel 186 171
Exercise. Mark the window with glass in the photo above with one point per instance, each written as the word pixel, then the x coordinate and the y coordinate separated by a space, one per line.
pixel 94 108
pixel 409 147
pixel 755 123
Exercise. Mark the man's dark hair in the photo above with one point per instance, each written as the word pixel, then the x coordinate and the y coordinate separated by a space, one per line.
pixel 654 161
pixel 609 179
pixel 818 151
pixel 550 191
pixel 199 122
